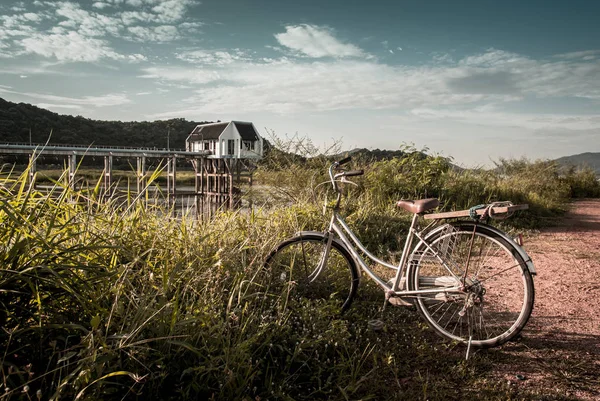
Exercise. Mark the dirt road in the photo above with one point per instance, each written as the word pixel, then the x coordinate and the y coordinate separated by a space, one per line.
pixel 558 355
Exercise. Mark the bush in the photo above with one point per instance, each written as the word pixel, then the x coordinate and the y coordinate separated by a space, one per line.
pixel 583 182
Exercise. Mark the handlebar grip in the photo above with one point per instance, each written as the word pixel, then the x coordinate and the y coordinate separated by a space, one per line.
pixel 344 160
pixel 352 173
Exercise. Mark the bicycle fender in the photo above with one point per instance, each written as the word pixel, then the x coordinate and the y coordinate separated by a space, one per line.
pixel 336 240
pixel 322 234
pixel 518 247
pixel 494 230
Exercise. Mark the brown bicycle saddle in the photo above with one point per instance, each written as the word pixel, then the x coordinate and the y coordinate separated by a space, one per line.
pixel 418 206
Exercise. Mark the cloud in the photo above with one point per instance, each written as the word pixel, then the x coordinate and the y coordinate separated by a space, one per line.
pixel 76 25
pixel 87 24
pixel 159 34
pixel 287 85
pixel 100 5
pixel 486 82
pixel 171 10
pixel 490 116
pixel 545 78
pixel 213 57
pixel 51 106
pixel 190 27
pixel 69 47
pixel 316 42
pixel 111 99
pixel 181 74
pixel 584 55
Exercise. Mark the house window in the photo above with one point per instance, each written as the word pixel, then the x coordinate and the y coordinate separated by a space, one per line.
pixel 206 145
pixel 230 146
pixel 249 145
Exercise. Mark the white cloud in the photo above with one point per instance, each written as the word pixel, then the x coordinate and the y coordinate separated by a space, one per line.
pixel 87 24
pixel 75 24
pixel 136 57
pixel 100 5
pixel 19 21
pixel 111 99
pixel 171 10
pixel 51 106
pixel 498 118
pixel 191 27
pixel 69 47
pixel 179 74
pixel 213 57
pixel 132 17
pixel 584 55
pixel 225 84
pixel 163 33
pixel 314 41
pixel 32 17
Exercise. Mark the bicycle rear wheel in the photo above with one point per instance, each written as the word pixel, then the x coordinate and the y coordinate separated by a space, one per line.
pixel 293 271
pixel 497 297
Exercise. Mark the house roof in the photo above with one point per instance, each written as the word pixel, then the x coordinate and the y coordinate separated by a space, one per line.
pixel 214 131
pixel 246 131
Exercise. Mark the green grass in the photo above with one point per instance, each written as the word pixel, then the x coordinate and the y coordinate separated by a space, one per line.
pixel 107 299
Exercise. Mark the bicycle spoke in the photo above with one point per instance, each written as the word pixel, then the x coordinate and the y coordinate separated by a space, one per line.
pixel 494 277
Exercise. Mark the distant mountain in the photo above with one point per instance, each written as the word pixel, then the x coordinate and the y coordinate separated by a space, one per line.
pixel 369 155
pixel 588 159
pixel 17 120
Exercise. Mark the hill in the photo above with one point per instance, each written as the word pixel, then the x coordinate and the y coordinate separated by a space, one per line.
pixel 17 120
pixel 587 159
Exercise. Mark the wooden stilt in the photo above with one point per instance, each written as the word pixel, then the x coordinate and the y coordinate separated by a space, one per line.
pixel 72 165
pixel 108 162
pixel 141 174
pixel 32 170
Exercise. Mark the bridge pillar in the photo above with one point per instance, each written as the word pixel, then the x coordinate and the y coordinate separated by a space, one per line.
pixel 108 163
pixel 32 169
pixel 141 174
pixel 72 163
pixel 171 180
pixel 198 186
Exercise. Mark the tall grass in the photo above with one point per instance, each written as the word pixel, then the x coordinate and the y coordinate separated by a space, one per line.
pixel 101 298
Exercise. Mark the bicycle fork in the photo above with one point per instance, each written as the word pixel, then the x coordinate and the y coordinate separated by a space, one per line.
pixel 324 256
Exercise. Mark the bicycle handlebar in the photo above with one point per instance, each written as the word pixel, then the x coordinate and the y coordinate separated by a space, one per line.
pixel 344 161
pixel 353 173
pixel 333 177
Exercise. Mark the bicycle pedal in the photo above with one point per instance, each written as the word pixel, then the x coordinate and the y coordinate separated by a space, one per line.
pixel 397 301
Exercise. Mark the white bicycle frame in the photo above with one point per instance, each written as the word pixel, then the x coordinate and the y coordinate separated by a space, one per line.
pixel 351 242
pixel 339 227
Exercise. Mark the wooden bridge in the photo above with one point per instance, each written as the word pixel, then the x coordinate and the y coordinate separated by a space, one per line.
pixel 213 178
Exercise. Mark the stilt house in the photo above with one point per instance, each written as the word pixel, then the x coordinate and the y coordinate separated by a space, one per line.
pixel 226 140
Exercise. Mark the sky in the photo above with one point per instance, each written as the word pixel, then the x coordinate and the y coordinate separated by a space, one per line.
pixel 474 80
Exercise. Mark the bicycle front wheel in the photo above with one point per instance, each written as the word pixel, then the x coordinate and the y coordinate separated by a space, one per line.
pixel 300 270
pixel 496 295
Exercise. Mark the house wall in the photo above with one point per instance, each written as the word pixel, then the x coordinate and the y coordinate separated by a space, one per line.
pixel 242 152
pixel 228 133
pixel 198 146
pixel 219 147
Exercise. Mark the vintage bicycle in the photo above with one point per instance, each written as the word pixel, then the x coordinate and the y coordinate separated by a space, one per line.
pixel 471 282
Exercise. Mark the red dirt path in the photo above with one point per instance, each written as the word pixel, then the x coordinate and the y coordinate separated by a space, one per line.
pixel 559 353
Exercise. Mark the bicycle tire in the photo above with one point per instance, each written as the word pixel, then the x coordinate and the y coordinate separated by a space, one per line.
pixel 498 297
pixel 290 264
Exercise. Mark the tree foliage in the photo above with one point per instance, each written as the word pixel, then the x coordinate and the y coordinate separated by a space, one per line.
pixel 17 120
